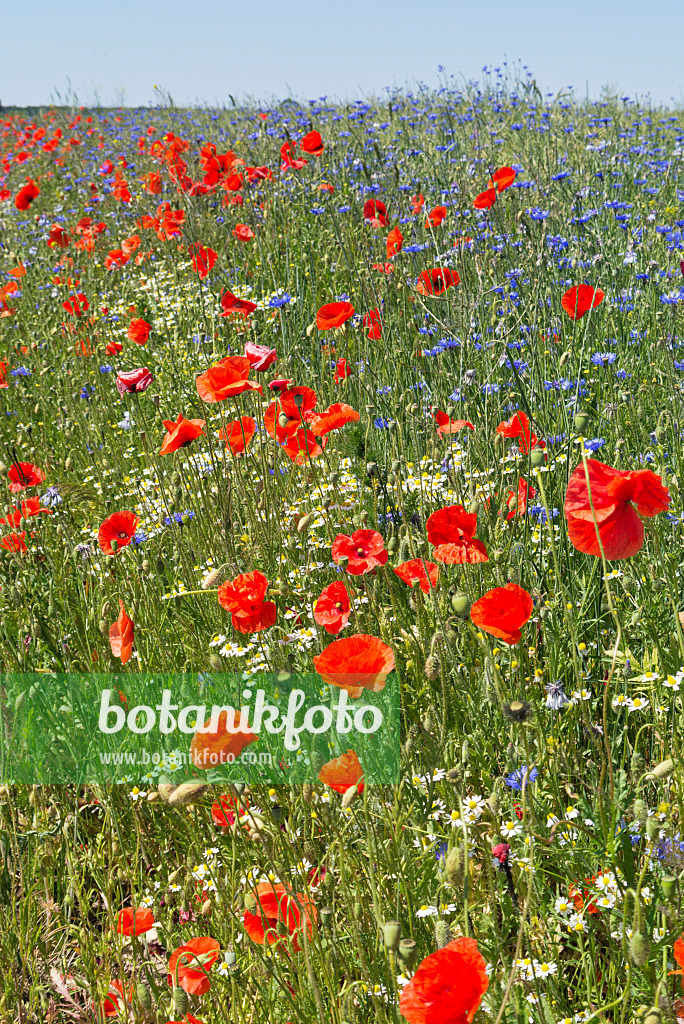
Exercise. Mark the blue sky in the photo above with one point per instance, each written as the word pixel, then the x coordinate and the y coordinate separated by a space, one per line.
pixel 203 52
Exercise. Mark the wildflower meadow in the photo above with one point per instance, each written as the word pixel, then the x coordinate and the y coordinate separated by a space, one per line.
pixel 387 394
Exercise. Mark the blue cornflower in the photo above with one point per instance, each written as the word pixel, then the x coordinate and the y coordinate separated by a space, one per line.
pixel 139 537
pixel 106 369
pixel 521 775
pixel 603 358
pixel 560 176
pixel 51 497
pixel 21 371
pixel 382 424
pixel 276 301
pixel 594 443
pixel 417 247
pixel 536 214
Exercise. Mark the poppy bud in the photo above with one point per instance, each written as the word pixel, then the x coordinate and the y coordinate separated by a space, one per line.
pixel 652 828
pixel 653 1015
pixel 640 810
pixel 215 663
pixel 564 358
pixel 408 952
pixel 103 627
pixel 349 796
pixel 180 1000
pixel 454 867
pixel 186 793
pixel 304 523
pixel 307 792
pixel 206 908
pixel 392 545
pixel 144 996
pixel 461 605
pixel 156 399
pixel 662 770
pixel 639 949
pixel 391 933
pixel 69 465
pixel 493 803
pixel 442 935
pixel 114 544
pixel 432 667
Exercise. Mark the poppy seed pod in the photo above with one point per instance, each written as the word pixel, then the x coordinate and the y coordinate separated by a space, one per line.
pixel 408 952
pixel 349 796
pixel 517 711
pixel 326 916
pixel 582 422
pixel 652 828
pixel 668 884
pixel 391 933
pixel 461 605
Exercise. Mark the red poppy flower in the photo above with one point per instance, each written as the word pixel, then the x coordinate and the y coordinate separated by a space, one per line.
pixel 502 179
pixel 29 508
pixel 356 663
pixel 115 1001
pixel 333 314
pixel 332 608
pixel 312 144
pixel 26 195
pixel 614 494
pixel 181 433
pixel 365 550
pixel 121 527
pixel 238 433
pixel 189 965
pixel 114 348
pixel 518 427
pixel 15 542
pixel 221 742
pixel 485 200
pixel 375 212
pixel 448 986
pixel 152 183
pixel 282 384
pixel 291 411
pixel 121 635
pixel 23 475
pixel 452 531
pixel 302 445
pixel 342 773
pixel 133 381
pixel 445 425
pixel 502 611
pixel 517 503
pixel 134 922
pixel 233 306
pixel 436 281
pixel 579 300
pixel 226 379
pixel 243 232
pixel 384 268
pixel 678 952
pixel 244 598
pixel 277 908
pixel 116 258
pixel 395 242
pixel 373 325
pixel 342 370
pixel 260 356
pixel 436 216
pixel 4 383
pixel 223 810
pixel 77 305
pixel 139 331
pixel 202 258
pixel 417 203
pixel 425 574
pixel 58 237
pixel 334 417
pixel 287 152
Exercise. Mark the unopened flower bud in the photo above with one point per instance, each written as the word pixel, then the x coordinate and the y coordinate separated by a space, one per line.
pixel 639 949
pixel 432 667
pixel 144 996
pixel 180 1000
pixel 442 936
pixel 454 867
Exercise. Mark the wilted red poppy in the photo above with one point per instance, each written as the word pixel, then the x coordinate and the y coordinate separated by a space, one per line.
pixel 365 550
pixel 238 433
pixel 395 242
pixel 579 300
pixel 502 179
pixel 278 908
pixel 134 922
pixel 373 325
pixel 133 381
pixel 436 281
pixel 189 964
pixel 121 527
pixel 436 216
pixel 202 258
pixel 260 356
pixel 485 200
pixel 312 144
pixel 517 502
pixel 334 417
pixel 226 379
pixel 121 635
pixel 244 597
pixel 332 608
pixel 518 428
pixel 222 741
pixel 139 331
pixel 243 232
pixel 333 314
pixel 375 212
pixel 502 611
pixel 291 411
pixel 356 663
pixel 23 475
pixel 26 195
pixel 452 531
pixel 342 773
pixel 15 542
pixel 181 433
pixel 614 494
pixel 425 574
pixel 233 306
pixel 445 425
pixel 448 986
